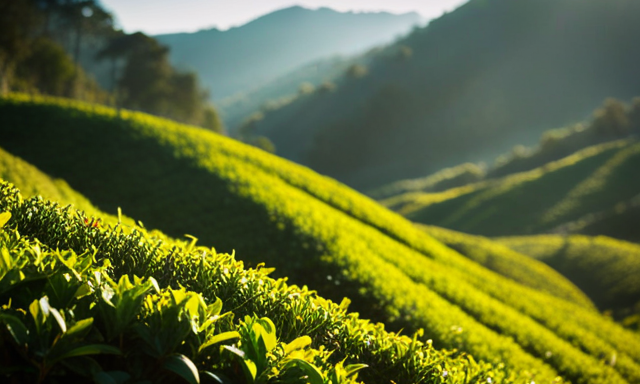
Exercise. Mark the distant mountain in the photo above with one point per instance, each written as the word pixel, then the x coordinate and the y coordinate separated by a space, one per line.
pixel 470 85
pixel 245 57
pixel 318 75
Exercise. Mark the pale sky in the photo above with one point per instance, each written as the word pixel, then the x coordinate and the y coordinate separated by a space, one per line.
pixel 165 16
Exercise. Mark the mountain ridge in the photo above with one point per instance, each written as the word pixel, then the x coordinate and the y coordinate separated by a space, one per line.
pixel 282 41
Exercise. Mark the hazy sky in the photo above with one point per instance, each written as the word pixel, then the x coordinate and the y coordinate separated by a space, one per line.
pixel 162 16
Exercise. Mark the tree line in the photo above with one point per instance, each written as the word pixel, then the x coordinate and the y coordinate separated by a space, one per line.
pixel 41 43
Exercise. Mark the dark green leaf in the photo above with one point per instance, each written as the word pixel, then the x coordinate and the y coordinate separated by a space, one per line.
pixel 16 328
pixel 183 366
pixel 93 349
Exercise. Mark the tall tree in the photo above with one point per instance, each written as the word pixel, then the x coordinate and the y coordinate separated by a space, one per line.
pixel 83 17
pixel 17 19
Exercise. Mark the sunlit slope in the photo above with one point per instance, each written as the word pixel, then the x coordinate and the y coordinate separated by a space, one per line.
pixel 507 262
pixel 32 182
pixel 44 227
pixel 316 232
pixel 440 181
pixel 607 270
pixel 588 182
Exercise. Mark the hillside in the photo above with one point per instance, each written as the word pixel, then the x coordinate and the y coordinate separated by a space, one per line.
pixel 105 307
pixel 605 269
pixel 613 120
pixel 317 76
pixel 454 91
pixel 243 58
pixel 564 195
pixel 316 232
pixel 507 262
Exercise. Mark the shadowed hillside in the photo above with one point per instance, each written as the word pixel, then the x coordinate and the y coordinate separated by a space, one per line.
pixel 315 231
pixel 564 195
pixel 465 88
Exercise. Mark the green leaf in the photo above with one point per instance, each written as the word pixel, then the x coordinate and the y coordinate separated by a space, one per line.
pixel 183 366
pixel 79 329
pixel 313 374
pixel 299 343
pixel 92 349
pixel 16 328
pixel 215 308
pixel 39 315
pixel 269 333
pixel 353 368
pixel 216 377
pixel 250 370
pixel 219 338
pixel 111 377
pixel 82 291
pixel 5 260
pixel 4 218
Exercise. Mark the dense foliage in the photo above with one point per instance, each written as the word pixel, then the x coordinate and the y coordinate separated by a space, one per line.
pixel 605 269
pixel 316 232
pixel 51 46
pixel 73 308
pixel 509 263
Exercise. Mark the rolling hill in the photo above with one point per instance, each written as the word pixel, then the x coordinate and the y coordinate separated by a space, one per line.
pixel 458 90
pixel 317 76
pixel 243 58
pixel 563 195
pixel 605 269
pixel 156 334
pixel 316 232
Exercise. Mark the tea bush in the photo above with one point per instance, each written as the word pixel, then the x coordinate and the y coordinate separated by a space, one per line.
pixel 81 300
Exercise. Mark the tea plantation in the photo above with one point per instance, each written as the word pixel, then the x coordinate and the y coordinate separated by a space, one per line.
pixel 507 262
pixel 568 193
pixel 316 232
pixel 606 269
pixel 82 301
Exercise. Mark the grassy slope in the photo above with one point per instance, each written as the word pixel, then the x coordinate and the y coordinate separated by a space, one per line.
pixel 440 181
pixel 45 225
pixel 604 268
pixel 32 182
pixel 592 180
pixel 507 262
pixel 312 229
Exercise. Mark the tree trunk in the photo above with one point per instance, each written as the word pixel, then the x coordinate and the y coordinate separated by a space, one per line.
pixel 76 60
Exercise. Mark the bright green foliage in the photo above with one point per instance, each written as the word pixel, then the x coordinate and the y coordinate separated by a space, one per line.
pixel 605 269
pixel 561 193
pixel 507 262
pixel 87 306
pixel 33 182
pixel 315 231
pixel 439 181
